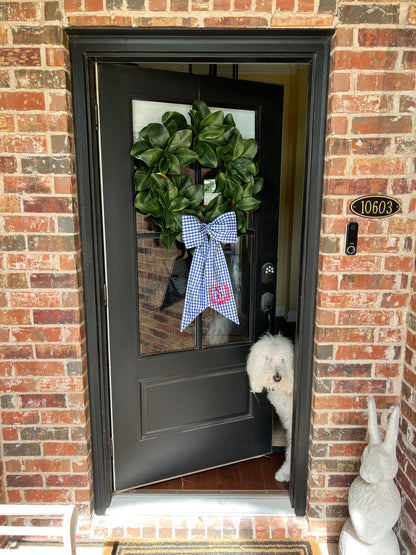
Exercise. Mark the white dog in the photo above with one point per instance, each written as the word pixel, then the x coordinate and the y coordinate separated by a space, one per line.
pixel 270 367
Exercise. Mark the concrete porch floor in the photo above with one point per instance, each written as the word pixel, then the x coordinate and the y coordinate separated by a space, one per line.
pixel 96 549
pixel 241 516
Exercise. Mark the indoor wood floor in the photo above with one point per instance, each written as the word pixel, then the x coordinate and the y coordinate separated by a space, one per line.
pixel 253 475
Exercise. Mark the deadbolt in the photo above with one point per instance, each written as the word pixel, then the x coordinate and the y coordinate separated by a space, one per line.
pixel 267 273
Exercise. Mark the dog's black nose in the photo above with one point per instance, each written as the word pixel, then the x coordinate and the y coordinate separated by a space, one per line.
pixel 277 378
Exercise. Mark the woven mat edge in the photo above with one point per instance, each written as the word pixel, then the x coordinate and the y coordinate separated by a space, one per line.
pixel 109 542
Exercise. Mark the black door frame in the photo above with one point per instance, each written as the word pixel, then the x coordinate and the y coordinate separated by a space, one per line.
pixel 91 45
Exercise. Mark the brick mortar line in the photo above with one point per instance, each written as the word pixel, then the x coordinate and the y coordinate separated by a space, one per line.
pixel 203 12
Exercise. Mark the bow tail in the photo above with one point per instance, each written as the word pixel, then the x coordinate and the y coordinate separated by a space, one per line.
pixel 219 288
pixel 196 298
pixel 209 283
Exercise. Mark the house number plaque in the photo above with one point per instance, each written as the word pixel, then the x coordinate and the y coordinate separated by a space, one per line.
pixel 375 206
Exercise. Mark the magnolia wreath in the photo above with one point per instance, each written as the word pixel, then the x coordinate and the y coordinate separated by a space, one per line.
pixel 210 140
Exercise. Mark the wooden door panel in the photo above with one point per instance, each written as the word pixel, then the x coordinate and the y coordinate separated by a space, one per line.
pixel 211 398
pixel 179 403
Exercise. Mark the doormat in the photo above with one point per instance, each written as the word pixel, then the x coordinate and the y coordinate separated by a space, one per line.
pixel 210 547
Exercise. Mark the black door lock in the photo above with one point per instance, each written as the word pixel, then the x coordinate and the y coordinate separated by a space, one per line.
pixel 267 273
pixel 351 238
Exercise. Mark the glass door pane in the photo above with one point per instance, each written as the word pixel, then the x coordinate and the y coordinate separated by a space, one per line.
pixel 216 329
pixel 163 275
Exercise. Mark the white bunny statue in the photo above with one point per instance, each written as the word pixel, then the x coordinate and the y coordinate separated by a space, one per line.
pixel 374 500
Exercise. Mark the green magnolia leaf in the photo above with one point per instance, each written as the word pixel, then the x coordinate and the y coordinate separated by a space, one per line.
pixel 190 212
pixel 241 222
pixel 195 194
pixel 224 154
pixel 258 185
pixel 169 218
pixel 220 182
pixel 163 198
pixel 175 165
pixel 211 215
pixel 243 167
pixel 201 107
pixel 172 191
pixel 186 156
pixel 229 120
pixel 196 118
pixel 142 198
pixel 206 155
pixel 158 135
pixel 230 188
pixel 214 119
pixel 142 178
pixel 177 225
pixel 217 142
pixel 211 132
pixel 225 207
pixel 170 164
pixel 180 139
pixel 228 132
pixel 218 210
pixel 248 204
pixel 213 203
pixel 152 156
pixel 179 203
pixel 139 147
pixel 144 133
pixel 237 144
pixel 183 183
pixel 158 182
pixel 152 207
pixel 248 190
pixel 164 165
pixel 238 194
pixel 174 121
pixel 250 148
pixel 168 237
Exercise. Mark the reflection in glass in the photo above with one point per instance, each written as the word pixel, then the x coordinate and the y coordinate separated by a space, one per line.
pixel 145 224
pixel 216 329
pixel 162 277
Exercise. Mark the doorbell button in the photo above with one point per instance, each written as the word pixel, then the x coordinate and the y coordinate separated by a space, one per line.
pixel 351 238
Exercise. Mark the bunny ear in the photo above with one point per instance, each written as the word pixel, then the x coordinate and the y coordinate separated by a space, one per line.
pixel 373 432
pixel 392 430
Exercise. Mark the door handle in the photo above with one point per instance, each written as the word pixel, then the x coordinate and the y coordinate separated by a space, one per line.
pixel 267 300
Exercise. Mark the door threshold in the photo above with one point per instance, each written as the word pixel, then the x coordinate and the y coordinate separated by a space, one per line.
pixel 216 504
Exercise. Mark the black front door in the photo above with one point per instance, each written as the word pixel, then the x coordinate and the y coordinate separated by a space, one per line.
pixel 180 402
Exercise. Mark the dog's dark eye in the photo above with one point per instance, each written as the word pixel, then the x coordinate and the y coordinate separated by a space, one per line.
pixel 277 378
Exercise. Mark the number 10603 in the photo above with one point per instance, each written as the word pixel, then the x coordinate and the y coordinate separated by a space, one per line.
pixel 375 206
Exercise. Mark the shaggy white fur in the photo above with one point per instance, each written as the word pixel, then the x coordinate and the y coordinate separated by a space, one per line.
pixel 270 368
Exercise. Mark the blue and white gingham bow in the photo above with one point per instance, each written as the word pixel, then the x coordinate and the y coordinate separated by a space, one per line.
pixel 209 282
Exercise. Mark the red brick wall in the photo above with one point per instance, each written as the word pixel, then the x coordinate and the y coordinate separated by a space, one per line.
pixel 363 317
pixel 44 403
pixel 363 300
pixel 407 443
